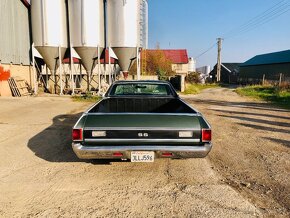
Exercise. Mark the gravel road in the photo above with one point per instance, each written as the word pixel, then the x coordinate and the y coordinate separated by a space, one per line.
pixel 245 175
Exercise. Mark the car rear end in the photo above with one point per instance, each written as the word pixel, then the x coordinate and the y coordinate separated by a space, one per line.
pixel 141 137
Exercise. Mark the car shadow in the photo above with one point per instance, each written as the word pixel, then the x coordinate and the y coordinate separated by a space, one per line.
pixel 264 128
pixel 267 115
pixel 255 120
pixel 285 143
pixel 53 144
pixel 263 106
pixel 256 115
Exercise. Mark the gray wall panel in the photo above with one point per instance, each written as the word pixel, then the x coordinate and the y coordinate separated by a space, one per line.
pixel 14 33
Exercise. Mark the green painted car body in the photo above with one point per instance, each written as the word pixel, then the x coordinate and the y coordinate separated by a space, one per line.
pixel 143 116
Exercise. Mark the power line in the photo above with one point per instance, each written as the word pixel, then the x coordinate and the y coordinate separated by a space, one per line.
pixel 266 16
pixel 210 48
pixel 272 17
pixel 253 20
pixel 259 23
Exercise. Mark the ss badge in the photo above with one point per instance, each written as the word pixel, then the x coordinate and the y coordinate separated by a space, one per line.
pixel 143 134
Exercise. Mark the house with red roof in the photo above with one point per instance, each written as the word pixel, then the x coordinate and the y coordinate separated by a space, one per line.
pixel 178 57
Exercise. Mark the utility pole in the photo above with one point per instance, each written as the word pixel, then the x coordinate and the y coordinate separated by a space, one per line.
pixel 219 59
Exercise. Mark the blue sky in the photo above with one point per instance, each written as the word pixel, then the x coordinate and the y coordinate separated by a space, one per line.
pixel 195 25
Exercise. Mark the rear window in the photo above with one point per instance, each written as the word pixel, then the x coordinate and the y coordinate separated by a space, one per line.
pixel 140 89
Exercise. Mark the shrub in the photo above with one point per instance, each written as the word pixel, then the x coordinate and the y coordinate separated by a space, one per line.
pixel 161 74
pixel 193 78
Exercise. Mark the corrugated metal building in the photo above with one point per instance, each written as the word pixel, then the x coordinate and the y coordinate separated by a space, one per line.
pixel 271 65
pixel 14 33
pixel 15 38
pixel 229 73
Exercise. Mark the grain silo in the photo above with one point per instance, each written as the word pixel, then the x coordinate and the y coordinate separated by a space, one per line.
pixel 49 29
pixel 86 19
pixel 127 29
pixel 191 65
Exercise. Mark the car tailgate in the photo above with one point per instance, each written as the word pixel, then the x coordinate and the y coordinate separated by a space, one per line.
pixel 147 129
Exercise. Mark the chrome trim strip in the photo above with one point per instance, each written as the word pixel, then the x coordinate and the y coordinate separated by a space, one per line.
pixel 205 120
pixel 198 113
pixel 90 108
pixel 140 128
pixel 78 121
pixel 106 152
pixel 184 102
pixel 143 140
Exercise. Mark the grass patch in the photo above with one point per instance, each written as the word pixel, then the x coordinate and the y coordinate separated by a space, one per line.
pixel 88 97
pixel 192 88
pixel 267 93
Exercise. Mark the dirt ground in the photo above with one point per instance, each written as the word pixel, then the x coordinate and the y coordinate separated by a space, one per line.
pixel 245 175
pixel 251 147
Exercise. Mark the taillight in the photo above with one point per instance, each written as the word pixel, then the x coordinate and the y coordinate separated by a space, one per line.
pixel 206 135
pixel 77 134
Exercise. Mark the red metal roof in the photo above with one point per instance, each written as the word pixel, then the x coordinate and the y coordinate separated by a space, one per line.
pixel 103 58
pixel 106 58
pixel 67 60
pixel 177 56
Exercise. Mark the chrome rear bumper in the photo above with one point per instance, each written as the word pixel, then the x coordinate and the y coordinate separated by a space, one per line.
pixel 107 152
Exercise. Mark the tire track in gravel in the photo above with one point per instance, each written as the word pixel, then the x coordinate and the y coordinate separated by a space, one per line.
pixel 251 147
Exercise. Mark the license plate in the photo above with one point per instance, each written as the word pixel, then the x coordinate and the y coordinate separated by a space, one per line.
pixel 142 156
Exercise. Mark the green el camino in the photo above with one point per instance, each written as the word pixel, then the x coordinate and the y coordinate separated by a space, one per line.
pixel 141 121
